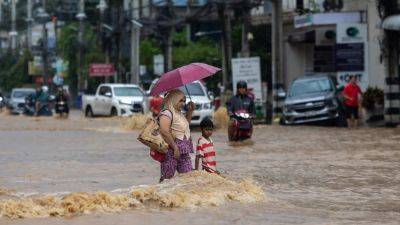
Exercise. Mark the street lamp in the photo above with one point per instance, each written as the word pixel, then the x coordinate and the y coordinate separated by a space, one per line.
pixel 102 7
pixel 43 17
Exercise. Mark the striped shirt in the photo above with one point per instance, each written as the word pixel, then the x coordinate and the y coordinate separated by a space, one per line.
pixel 205 149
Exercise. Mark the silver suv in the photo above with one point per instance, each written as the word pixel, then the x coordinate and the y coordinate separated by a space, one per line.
pixel 311 98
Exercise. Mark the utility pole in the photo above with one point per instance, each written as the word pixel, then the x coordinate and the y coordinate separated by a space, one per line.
pixel 188 27
pixel 170 32
pixel 118 63
pixel 246 24
pixel 277 57
pixel 29 21
pixel 1 11
pixel 81 17
pixel 226 44
pixel 13 33
pixel 135 47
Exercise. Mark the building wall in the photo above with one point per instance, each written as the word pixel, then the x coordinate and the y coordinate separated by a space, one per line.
pixel 375 36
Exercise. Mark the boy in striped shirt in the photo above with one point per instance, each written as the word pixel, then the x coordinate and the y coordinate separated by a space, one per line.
pixel 205 148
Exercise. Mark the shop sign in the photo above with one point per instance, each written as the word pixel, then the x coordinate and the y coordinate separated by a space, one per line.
pixel 101 70
pixel 303 21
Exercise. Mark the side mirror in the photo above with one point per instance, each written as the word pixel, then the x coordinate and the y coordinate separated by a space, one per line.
pixel 108 94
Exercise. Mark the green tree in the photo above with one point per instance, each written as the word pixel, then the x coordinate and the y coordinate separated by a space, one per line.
pixel 14 70
pixel 68 48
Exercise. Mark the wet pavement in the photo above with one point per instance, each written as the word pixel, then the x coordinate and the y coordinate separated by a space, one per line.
pixel 311 175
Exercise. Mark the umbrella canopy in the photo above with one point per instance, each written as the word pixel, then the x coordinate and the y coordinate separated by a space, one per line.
pixel 183 75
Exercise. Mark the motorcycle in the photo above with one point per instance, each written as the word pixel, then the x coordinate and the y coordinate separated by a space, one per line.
pixel 2 103
pixel 241 127
pixel 61 108
pixel 30 104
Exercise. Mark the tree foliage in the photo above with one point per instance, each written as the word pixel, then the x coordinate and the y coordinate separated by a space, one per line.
pixel 14 70
pixel 68 48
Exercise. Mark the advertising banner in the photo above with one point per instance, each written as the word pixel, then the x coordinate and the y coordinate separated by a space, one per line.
pixel 248 69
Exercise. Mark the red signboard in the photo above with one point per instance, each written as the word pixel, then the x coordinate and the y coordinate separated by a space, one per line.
pixel 101 70
pixel 40 80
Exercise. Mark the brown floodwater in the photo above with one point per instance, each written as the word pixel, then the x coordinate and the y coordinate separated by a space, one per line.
pixel 308 175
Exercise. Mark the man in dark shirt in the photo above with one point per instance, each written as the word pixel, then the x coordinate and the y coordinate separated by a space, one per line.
pixel 241 101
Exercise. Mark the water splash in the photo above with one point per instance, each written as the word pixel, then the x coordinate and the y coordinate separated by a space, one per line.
pixel 190 191
pixel 221 118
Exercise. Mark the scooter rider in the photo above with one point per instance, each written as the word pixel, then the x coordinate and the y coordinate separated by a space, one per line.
pixel 42 98
pixel 241 100
pixel 62 96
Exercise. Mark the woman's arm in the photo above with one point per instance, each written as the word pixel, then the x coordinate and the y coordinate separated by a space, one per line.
pixel 189 113
pixel 165 130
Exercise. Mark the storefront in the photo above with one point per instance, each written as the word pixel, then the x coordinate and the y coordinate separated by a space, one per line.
pixel 330 43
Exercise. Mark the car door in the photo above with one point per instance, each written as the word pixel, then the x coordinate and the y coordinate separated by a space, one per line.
pixel 100 101
pixel 107 103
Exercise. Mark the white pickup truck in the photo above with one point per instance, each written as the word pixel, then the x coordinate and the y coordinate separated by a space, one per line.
pixel 115 100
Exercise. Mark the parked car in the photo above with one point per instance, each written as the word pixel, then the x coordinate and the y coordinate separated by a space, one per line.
pixel 198 92
pixel 16 102
pixel 311 98
pixel 115 100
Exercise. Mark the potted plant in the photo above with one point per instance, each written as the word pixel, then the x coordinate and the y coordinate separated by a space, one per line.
pixel 373 103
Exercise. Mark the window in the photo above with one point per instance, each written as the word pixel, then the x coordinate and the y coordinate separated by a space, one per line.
pixel 309 86
pixel 104 89
pixel 127 91
pixel 194 89
pixel 21 94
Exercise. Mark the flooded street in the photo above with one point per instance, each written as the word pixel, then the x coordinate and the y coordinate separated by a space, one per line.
pixel 310 175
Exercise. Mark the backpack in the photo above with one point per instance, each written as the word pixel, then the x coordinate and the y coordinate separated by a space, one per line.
pixel 151 136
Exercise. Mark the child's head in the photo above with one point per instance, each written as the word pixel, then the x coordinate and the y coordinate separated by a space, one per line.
pixel 207 127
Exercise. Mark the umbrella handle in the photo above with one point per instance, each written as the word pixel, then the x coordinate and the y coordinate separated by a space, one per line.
pixel 188 93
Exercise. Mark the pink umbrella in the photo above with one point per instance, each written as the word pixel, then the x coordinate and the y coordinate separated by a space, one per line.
pixel 181 76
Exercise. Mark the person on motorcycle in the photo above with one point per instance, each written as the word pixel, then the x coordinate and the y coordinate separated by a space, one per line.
pixel 62 96
pixel 42 98
pixel 241 101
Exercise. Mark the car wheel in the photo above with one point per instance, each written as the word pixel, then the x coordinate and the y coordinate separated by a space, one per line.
pixel 114 112
pixel 89 112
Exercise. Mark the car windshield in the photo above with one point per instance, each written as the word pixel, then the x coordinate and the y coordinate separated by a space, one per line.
pixel 194 89
pixel 21 94
pixel 127 91
pixel 309 86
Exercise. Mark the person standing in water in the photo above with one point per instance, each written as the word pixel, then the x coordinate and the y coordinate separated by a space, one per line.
pixel 174 128
pixel 205 148
pixel 351 94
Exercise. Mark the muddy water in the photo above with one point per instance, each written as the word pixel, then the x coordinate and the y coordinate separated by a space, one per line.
pixel 310 175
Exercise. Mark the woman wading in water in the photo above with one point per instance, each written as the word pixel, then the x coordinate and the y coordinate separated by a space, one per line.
pixel 174 127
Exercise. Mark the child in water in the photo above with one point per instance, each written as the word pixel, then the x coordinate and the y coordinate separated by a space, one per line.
pixel 205 148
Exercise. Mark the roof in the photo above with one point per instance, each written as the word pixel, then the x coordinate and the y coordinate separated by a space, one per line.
pixel 120 85
pixel 314 75
pixel 23 89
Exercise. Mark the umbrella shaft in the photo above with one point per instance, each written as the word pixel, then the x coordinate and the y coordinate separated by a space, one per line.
pixel 188 93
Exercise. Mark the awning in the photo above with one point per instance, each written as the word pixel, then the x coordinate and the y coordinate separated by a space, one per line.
pixel 391 23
